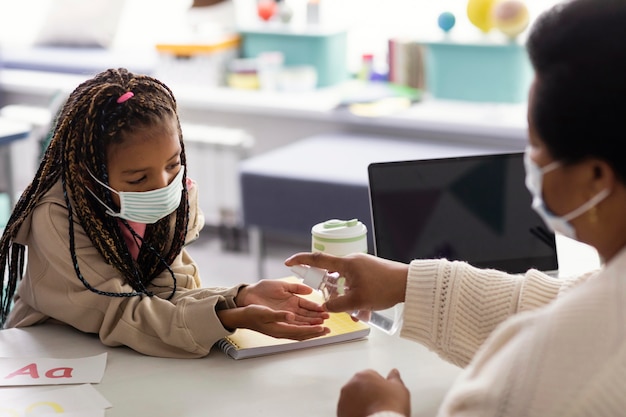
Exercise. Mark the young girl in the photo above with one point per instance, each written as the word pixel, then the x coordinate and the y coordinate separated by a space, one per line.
pixel 106 219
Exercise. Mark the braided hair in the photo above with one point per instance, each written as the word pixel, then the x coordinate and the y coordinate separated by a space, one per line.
pixel 91 120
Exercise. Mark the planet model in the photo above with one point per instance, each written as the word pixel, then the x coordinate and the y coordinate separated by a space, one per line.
pixel 510 17
pixel 479 13
pixel 266 9
pixel 446 21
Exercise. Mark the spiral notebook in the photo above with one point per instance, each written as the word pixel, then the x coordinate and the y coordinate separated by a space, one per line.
pixel 245 343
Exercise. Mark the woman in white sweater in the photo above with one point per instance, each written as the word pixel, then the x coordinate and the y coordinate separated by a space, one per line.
pixel 530 345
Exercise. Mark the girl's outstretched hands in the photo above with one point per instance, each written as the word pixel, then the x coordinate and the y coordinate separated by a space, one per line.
pixel 282 295
pixel 274 307
pixel 275 323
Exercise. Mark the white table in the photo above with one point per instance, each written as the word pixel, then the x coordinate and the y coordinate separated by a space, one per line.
pixel 298 383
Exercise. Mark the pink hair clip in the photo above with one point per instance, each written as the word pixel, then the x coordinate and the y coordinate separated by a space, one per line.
pixel 125 97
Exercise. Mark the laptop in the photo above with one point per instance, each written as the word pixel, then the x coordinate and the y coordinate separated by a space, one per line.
pixel 472 208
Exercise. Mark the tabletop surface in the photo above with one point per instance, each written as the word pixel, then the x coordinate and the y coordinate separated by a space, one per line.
pixel 505 122
pixel 297 383
pixel 305 383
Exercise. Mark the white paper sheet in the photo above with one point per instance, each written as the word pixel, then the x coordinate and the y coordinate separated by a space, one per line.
pixel 80 400
pixel 51 371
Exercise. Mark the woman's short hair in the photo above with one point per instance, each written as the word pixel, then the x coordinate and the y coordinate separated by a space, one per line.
pixel 578 52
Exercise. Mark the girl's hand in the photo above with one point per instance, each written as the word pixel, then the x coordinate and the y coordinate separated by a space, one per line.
pixel 280 324
pixel 281 295
pixel 368 392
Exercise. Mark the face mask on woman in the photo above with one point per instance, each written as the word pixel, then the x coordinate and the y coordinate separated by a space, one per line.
pixel 147 206
pixel 534 183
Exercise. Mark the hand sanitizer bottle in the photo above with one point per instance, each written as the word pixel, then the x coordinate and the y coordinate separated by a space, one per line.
pixel 332 285
pixel 341 238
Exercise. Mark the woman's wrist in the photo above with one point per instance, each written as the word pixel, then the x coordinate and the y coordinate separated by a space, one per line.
pixel 400 277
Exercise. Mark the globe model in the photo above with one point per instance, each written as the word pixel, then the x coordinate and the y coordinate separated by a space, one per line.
pixel 510 17
pixel 446 21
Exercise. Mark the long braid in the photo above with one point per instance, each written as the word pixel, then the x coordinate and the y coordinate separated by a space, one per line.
pixel 90 120
pixel 12 254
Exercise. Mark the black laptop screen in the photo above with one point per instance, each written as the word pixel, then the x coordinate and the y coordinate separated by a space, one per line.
pixel 476 209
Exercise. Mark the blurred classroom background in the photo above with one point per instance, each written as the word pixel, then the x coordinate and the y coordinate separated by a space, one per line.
pixel 255 76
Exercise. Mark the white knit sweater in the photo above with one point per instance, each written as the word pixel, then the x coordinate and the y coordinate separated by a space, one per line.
pixel 560 349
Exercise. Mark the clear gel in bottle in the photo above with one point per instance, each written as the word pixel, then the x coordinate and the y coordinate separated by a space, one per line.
pixel 331 285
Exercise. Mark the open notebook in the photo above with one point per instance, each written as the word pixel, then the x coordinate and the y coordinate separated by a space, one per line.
pixel 244 343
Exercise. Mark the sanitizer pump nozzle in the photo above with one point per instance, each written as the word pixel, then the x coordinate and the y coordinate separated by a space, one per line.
pixel 332 285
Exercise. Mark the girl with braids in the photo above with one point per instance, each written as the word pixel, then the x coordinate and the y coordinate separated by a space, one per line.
pixel 105 221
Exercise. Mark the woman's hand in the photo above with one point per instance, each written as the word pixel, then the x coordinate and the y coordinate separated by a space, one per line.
pixel 281 295
pixel 368 392
pixel 373 283
pixel 281 324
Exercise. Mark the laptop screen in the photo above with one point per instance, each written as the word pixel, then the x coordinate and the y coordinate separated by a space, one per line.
pixel 475 208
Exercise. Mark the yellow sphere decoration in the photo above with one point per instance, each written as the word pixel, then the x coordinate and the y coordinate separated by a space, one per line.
pixel 510 17
pixel 479 13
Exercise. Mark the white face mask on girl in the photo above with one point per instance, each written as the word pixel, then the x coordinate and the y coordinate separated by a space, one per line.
pixel 534 183
pixel 147 206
